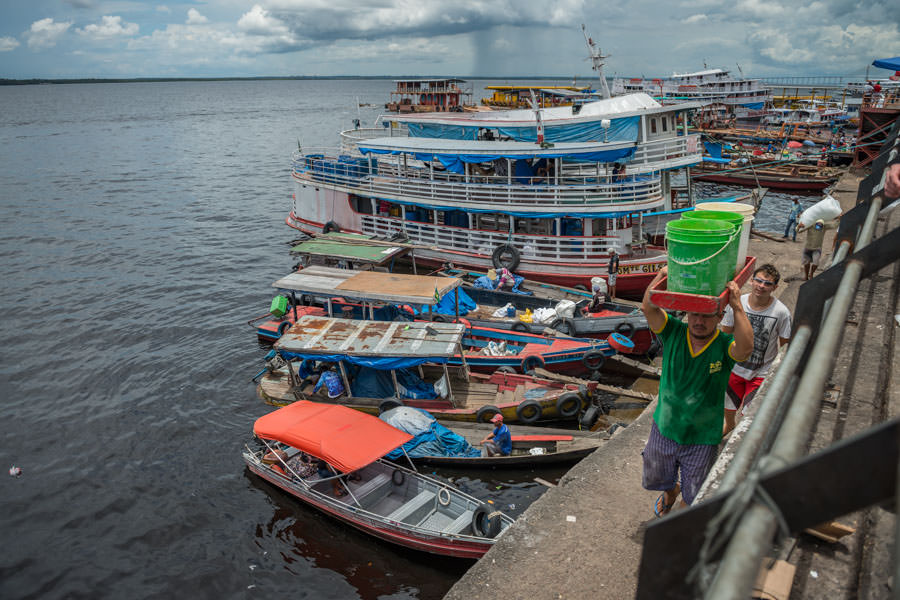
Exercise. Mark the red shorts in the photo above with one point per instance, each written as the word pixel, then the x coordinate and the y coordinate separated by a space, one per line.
pixel 740 391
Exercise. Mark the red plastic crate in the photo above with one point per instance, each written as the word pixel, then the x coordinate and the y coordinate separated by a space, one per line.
pixel 698 303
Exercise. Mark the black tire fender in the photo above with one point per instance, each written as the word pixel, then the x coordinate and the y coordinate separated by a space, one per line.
pixel 486 521
pixel 593 360
pixel 568 405
pixel 564 325
pixel 497 257
pixel 625 328
pixel 590 416
pixel 283 327
pixel 331 226
pixel 531 362
pixel 485 413
pixel 438 318
pixel 520 326
pixel 389 404
pixel 398 477
pixel 528 411
pixel 506 369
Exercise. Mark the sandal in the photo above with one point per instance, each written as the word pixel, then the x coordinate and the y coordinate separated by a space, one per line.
pixel 661 509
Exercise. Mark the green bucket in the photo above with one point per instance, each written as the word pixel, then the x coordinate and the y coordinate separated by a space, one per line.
pixel 734 218
pixel 702 255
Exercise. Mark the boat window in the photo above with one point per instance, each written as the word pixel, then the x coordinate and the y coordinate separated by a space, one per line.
pixel 492 222
pixel 361 205
pixel 653 125
pixel 665 123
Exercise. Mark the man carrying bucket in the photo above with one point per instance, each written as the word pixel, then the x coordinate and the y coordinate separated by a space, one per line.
pixel 687 422
pixel 771 322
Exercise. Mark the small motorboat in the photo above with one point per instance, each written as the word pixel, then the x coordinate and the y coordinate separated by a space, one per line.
pixel 385 500
pixel 436 444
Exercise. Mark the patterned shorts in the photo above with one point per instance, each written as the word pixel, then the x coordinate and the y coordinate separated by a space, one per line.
pixel 663 458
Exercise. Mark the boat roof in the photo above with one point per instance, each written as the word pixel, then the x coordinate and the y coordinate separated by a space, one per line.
pixel 393 288
pixel 438 79
pixel 347 439
pixel 543 88
pixel 615 107
pixel 338 246
pixel 490 149
pixel 327 336
pixel 701 73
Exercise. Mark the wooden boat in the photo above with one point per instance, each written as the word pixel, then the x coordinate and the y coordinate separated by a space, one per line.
pixel 384 364
pixel 779 177
pixel 387 501
pixel 614 317
pixel 531 446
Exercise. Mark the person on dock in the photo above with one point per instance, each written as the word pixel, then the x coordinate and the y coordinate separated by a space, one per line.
pixel 771 322
pixel 812 250
pixel 796 209
pixel 612 272
pixel 689 415
pixel 499 441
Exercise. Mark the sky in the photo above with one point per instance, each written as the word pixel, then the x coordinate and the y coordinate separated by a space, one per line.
pixel 463 38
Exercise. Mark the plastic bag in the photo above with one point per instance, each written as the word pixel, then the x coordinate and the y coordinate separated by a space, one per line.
pixel 544 315
pixel 526 317
pixel 826 209
pixel 504 310
pixel 566 308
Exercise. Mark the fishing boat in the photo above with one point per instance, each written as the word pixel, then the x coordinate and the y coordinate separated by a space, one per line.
pixel 375 365
pixel 533 191
pixel 388 501
pixel 434 444
pixel 810 114
pixel 796 177
pixel 740 96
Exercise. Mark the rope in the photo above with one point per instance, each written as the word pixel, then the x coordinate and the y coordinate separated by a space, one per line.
pixel 702 260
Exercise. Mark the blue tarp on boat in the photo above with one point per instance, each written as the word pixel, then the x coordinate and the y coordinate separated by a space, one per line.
pixel 888 63
pixel 431 438
pixel 624 129
pixel 374 383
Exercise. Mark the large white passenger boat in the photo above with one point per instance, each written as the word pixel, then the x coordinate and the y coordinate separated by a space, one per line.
pixel 548 193
pixel 743 97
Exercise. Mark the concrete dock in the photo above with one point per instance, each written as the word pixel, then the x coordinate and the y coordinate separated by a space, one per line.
pixel 584 538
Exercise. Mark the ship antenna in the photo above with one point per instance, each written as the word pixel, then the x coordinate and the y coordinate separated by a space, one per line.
pixel 597 57
pixel 740 70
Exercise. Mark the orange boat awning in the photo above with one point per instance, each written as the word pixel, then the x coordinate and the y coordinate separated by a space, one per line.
pixel 346 438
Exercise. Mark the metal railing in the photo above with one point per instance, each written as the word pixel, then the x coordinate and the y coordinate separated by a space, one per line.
pixel 764 486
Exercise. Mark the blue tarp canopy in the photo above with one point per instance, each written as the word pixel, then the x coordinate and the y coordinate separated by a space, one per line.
pixel 624 129
pixel 430 437
pixel 382 364
pixel 888 63
pixel 713 159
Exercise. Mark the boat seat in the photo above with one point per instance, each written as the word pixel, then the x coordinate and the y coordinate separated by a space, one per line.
pixel 409 508
pixel 461 522
pixel 370 486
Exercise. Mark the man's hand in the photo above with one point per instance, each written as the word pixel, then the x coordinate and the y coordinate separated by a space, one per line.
pixel 734 296
pixel 892 182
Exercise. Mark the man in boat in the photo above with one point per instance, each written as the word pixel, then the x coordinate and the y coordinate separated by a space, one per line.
pixel 771 322
pixel 689 415
pixel 812 250
pixel 612 271
pixel 796 209
pixel 499 442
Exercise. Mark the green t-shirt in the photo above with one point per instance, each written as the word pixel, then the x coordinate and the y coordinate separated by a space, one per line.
pixel 691 406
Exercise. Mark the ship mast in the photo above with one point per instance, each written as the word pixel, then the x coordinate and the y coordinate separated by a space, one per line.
pixel 597 57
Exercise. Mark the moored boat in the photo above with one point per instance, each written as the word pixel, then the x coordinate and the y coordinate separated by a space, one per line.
pixel 385 500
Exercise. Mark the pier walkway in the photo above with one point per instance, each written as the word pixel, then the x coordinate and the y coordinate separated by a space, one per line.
pixel 584 538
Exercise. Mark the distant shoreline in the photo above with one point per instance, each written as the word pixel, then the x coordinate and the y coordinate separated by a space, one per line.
pixel 38 81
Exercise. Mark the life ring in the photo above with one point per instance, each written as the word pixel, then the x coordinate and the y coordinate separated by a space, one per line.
pixel 564 325
pixel 331 226
pixel 528 411
pixel 398 477
pixel 531 362
pixel 389 404
pixel 444 496
pixel 521 327
pixel 283 327
pixel 620 343
pixel 485 413
pixel 486 521
pixel 497 257
pixel 625 328
pixel 593 360
pixel 568 404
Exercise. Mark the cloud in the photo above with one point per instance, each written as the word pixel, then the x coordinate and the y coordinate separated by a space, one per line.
pixel 694 19
pixel 195 18
pixel 45 33
pixel 259 22
pixel 109 27
pixel 8 43
pixel 163 9
pixel 81 3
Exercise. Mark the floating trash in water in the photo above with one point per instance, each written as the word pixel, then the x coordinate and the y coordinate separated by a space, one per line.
pixel 570 518
pixel 512 507
pixel 14 471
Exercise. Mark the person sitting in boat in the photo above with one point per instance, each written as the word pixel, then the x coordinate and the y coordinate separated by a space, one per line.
pixel 619 172
pixel 299 466
pixel 499 442
pixel 325 471
pixel 541 171
pixel 598 299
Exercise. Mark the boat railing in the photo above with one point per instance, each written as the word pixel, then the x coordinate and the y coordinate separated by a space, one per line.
pixel 352 137
pixel 388 178
pixel 531 246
